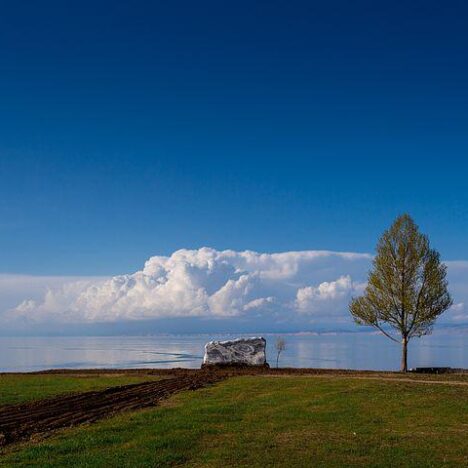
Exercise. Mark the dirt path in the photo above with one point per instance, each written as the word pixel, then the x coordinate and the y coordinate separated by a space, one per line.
pixel 378 378
pixel 21 422
pixel 418 381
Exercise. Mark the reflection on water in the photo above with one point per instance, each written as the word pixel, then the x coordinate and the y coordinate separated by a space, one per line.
pixel 351 350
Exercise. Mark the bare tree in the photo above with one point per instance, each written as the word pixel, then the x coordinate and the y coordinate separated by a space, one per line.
pixel 280 346
pixel 406 289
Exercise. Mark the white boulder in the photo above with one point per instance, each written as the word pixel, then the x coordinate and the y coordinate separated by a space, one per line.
pixel 243 351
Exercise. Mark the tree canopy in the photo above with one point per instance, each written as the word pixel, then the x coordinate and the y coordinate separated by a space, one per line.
pixel 407 288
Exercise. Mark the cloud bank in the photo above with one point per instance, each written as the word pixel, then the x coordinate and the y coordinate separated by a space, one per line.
pixel 308 288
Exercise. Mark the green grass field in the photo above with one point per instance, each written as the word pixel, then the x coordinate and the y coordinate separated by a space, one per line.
pixel 18 388
pixel 271 421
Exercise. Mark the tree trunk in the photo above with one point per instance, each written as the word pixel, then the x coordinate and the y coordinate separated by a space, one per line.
pixel 277 359
pixel 404 355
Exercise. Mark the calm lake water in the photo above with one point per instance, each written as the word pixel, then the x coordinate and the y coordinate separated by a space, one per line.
pixel 352 350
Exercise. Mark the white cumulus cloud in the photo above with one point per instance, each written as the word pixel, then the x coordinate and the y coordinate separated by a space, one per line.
pixel 202 283
pixel 306 287
pixel 331 295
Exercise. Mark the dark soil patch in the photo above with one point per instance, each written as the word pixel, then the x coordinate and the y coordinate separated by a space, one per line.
pixel 23 421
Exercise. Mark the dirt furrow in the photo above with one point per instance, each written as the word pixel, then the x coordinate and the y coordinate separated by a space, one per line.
pixel 20 422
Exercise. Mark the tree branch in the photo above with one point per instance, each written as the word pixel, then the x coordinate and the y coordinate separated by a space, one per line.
pixel 376 325
pixel 416 312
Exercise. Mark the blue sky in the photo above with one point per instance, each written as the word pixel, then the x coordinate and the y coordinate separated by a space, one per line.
pixel 130 130
pixel 136 129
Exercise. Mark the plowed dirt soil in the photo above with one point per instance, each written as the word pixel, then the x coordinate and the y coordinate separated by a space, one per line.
pixel 21 422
